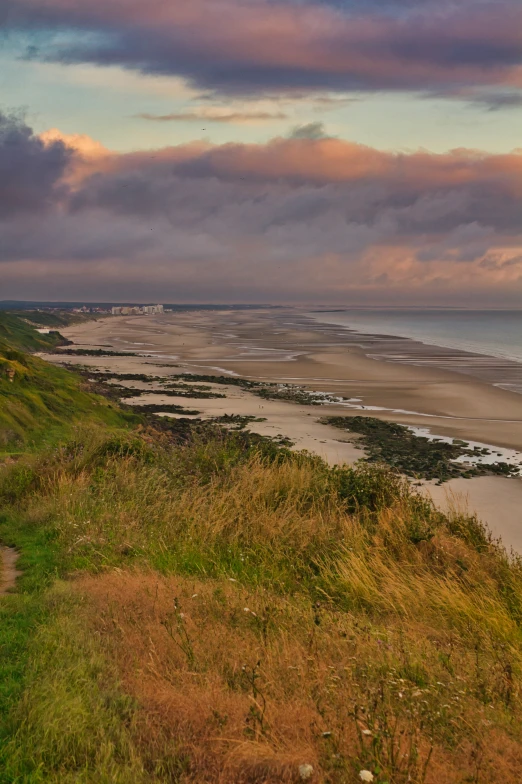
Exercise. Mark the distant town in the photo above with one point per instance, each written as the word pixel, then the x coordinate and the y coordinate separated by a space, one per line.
pixel 137 310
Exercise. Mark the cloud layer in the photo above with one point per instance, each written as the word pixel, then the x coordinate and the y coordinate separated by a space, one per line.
pixel 252 46
pixel 301 218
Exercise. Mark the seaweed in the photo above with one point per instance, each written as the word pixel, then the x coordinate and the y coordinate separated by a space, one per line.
pixel 415 456
pixel 163 408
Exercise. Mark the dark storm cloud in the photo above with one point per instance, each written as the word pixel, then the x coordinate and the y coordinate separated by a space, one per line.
pixel 30 172
pixel 240 46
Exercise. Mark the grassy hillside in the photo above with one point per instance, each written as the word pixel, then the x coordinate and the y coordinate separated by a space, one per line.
pixel 37 399
pixel 17 333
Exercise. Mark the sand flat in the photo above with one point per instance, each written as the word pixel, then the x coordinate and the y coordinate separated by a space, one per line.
pixel 285 346
pixel 496 500
pixel 266 345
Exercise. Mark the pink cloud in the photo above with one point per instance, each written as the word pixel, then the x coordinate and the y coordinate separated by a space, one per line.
pixel 237 46
pixel 300 218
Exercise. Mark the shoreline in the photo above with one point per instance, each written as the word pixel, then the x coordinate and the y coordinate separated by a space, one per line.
pixel 284 347
pixel 421 351
pixel 381 388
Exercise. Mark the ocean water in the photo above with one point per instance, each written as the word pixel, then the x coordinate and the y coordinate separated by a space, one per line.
pixel 494 333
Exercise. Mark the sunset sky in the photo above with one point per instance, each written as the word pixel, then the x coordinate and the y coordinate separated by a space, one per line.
pixel 285 151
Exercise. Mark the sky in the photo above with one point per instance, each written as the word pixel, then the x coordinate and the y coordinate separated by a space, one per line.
pixel 288 151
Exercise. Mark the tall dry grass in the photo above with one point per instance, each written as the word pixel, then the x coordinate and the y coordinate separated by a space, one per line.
pixel 319 616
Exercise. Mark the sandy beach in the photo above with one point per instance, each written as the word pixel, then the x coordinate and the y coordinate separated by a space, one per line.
pixel 288 346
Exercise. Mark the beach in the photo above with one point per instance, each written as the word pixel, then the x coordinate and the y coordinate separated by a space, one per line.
pixel 448 392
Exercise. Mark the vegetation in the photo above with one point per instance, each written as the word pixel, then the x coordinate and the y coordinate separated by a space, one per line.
pixel 250 610
pixel 415 456
pixel 39 402
pixel 52 318
pixel 18 333
pixel 200 605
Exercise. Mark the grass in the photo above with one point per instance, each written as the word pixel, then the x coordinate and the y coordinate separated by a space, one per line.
pixel 16 333
pixel 54 319
pixel 39 402
pixel 239 613
pixel 199 606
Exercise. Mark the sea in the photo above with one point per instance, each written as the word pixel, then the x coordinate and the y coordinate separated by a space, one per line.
pixel 486 344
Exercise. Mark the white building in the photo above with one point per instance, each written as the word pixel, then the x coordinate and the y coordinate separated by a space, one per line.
pixel 125 310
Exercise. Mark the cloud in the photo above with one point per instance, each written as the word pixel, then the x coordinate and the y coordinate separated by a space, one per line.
pixel 79 143
pixel 314 130
pixel 30 170
pixel 499 100
pixel 292 218
pixel 215 115
pixel 490 99
pixel 265 45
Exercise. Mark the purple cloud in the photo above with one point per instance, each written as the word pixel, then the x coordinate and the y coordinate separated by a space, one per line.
pixel 30 171
pixel 251 47
pixel 215 216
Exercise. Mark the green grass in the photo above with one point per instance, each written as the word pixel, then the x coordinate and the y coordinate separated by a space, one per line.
pixel 68 720
pixel 21 613
pixel 16 333
pixel 40 402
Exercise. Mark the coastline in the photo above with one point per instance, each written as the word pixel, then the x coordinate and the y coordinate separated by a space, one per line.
pixel 378 341
pixel 287 347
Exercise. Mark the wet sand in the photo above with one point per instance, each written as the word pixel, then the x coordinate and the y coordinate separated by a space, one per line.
pixel 287 346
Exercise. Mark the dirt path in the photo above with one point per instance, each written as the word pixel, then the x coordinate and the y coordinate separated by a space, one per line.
pixel 8 570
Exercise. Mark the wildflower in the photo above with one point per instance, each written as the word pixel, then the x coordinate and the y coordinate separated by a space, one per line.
pixel 365 775
pixel 306 771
